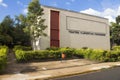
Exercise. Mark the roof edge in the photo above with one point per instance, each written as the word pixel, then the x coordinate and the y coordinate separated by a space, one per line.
pixel 73 11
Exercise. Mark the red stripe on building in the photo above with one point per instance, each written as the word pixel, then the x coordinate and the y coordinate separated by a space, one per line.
pixel 54 29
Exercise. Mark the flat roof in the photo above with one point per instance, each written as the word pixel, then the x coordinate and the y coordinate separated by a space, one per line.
pixel 73 11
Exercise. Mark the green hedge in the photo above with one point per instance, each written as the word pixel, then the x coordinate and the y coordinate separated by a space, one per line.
pixel 80 53
pixel 114 55
pixel 93 54
pixel 55 53
pixel 19 47
pixel 53 48
pixel 99 55
pixel 116 48
pixel 22 56
pixel 3 57
pixel 69 52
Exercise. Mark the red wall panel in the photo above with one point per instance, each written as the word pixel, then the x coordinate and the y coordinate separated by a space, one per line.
pixel 54 34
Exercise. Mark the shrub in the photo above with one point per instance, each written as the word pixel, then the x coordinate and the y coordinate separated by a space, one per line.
pixel 80 53
pixel 53 48
pixel 22 56
pixel 87 53
pixel 92 54
pixel 19 47
pixel 84 53
pixel 3 57
pixel 106 56
pixel 98 55
pixel 5 47
pixel 69 52
pixel 114 55
pixel 55 53
pixel 84 47
pixel 116 48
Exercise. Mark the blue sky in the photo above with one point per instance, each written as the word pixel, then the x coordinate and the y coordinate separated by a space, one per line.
pixel 104 8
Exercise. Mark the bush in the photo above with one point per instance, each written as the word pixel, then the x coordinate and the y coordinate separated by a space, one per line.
pixel 53 48
pixel 116 48
pixel 1 47
pixel 92 54
pixel 114 55
pixel 22 56
pixel 106 56
pixel 19 47
pixel 69 52
pixel 80 53
pixel 85 53
pixel 3 57
pixel 55 53
pixel 98 55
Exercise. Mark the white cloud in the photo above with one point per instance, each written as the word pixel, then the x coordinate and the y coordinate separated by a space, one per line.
pixel 91 11
pixel 3 4
pixel 118 12
pixel 110 18
pixel 68 3
pixel 108 13
pixel 1 1
pixel 25 11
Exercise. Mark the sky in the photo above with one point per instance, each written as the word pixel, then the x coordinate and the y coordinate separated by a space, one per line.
pixel 104 8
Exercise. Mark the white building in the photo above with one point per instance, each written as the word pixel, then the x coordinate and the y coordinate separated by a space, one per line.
pixel 73 29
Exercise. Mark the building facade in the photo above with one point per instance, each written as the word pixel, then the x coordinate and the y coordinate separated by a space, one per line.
pixel 73 29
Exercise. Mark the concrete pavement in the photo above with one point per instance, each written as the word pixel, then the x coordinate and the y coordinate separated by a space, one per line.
pixel 52 69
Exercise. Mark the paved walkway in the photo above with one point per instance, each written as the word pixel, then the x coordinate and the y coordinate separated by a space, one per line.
pixel 43 70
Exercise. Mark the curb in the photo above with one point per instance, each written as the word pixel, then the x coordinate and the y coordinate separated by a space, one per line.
pixel 77 73
pixel 64 72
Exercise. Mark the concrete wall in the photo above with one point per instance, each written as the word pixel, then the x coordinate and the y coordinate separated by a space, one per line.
pixel 78 30
pixel 45 41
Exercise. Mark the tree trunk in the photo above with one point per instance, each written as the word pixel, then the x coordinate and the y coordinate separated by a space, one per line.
pixel 36 43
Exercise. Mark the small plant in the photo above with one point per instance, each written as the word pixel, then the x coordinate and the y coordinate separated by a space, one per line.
pixel 3 57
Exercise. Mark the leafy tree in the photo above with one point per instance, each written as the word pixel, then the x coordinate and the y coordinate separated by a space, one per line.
pixel 6 27
pixel 35 23
pixel 117 19
pixel 34 19
pixel 115 32
pixel 20 37
pixel 12 33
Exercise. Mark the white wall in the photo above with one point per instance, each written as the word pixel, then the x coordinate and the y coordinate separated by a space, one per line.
pixel 81 22
pixel 45 41
pixel 78 22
